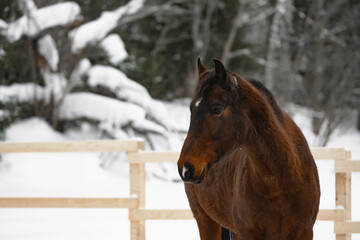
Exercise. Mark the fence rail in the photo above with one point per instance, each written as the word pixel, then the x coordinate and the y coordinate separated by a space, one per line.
pixel 69 203
pixel 138 214
pixel 73 146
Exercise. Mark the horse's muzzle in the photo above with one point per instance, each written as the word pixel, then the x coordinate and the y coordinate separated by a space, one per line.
pixel 187 173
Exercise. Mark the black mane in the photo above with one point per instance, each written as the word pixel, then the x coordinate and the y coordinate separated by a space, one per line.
pixel 270 97
pixel 256 83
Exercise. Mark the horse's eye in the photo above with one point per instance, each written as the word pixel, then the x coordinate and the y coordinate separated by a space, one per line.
pixel 217 110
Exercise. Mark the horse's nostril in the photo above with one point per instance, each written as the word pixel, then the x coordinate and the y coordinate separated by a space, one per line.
pixel 188 171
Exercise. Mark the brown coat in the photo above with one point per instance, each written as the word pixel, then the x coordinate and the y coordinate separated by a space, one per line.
pixel 246 164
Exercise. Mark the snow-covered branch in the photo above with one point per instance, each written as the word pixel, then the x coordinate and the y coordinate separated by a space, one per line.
pixel 47 48
pixel 247 52
pixel 115 48
pixel 94 31
pixel 38 20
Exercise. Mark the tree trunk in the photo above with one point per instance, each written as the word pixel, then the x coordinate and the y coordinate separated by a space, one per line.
pixel 274 43
pixel 358 120
pixel 231 37
pixel 318 118
pixel 200 33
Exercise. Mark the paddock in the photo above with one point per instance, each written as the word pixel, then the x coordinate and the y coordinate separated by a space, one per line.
pixel 137 157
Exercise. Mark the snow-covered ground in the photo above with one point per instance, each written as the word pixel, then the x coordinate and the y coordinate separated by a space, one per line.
pixel 80 175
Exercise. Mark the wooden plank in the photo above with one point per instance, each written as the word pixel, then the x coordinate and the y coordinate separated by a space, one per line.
pixel 107 145
pixel 137 230
pixel 142 214
pixel 128 145
pixel 341 199
pixel 73 146
pixel 342 186
pixel 69 203
pixel 153 157
pixel 346 227
pixel 343 194
pixel 328 153
pixel 347 166
pixel 157 214
pixel 342 237
pixel 331 215
pixel 138 181
pixel 348 188
pixel 137 187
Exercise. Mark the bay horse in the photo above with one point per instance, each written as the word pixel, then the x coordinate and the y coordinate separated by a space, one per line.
pixel 246 165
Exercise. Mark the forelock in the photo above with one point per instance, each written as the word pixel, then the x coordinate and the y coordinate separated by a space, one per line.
pixel 206 81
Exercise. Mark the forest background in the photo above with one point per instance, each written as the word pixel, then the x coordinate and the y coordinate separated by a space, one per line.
pixel 306 51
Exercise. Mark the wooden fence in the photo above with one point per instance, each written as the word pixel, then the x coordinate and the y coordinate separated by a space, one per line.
pixel 138 214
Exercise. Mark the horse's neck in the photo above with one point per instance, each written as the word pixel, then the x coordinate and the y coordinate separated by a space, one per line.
pixel 267 156
pixel 268 144
pixel 226 170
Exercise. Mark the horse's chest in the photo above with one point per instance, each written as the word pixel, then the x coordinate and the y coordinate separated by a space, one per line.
pixel 216 195
pixel 217 204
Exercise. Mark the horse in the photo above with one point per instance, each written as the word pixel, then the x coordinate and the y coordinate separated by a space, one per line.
pixel 246 166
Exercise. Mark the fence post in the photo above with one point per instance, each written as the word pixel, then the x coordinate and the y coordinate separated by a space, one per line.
pixel 343 193
pixel 137 187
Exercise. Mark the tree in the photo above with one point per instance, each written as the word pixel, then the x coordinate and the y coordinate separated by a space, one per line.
pixel 326 60
pixel 306 52
pixel 75 62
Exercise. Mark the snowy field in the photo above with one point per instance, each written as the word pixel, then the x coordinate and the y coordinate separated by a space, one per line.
pixel 80 175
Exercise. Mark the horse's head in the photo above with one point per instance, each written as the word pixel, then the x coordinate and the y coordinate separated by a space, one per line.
pixel 215 128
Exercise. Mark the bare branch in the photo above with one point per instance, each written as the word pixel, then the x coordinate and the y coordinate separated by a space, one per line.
pixel 206 27
pixel 242 19
pixel 166 8
pixel 231 37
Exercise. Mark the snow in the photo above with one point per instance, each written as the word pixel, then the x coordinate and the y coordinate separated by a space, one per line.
pixel 79 72
pixel 27 5
pixel 133 113
pixel 27 129
pixel 94 31
pixel 178 115
pixel 30 92
pixel 55 85
pixel 3 24
pixel 2 53
pixel 125 119
pixel 104 109
pixel 24 92
pixel 47 49
pixel 280 7
pixel 38 20
pixel 3 114
pixel 173 117
pixel 118 82
pixel 145 125
pixel 42 175
pixel 115 48
pixel 59 175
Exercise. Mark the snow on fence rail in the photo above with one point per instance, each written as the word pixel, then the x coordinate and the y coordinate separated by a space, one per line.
pixel 138 214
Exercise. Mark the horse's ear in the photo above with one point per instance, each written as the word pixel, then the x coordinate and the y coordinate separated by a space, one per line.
pixel 201 68
pixel 220 71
